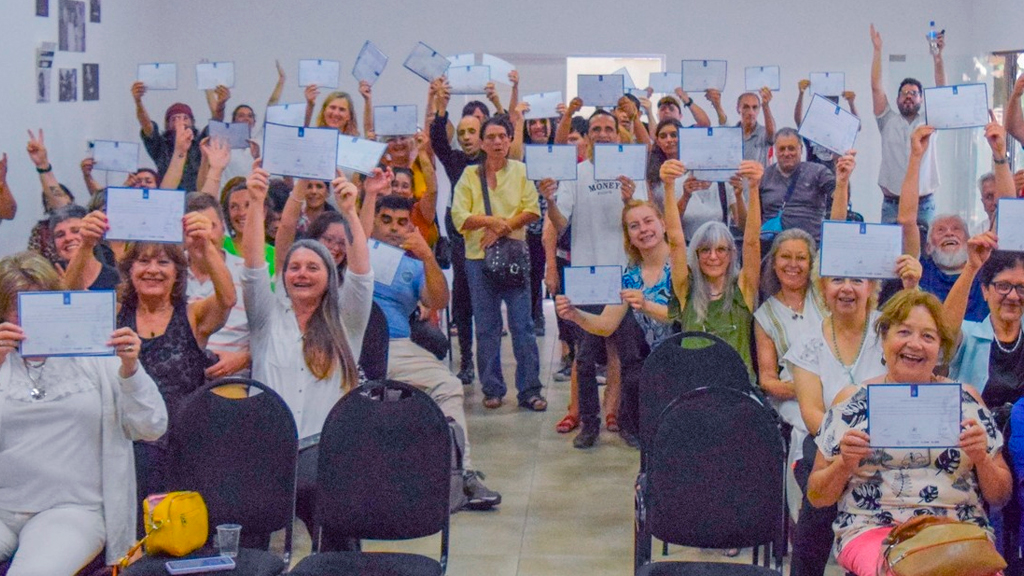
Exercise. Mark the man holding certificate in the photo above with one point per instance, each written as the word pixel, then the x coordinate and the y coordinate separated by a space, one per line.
pixel 161 147
pixel 895 128
pixel 66 429
pixel 893 447
pixel 593 208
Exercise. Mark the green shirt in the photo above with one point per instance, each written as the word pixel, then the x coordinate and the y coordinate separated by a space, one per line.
pixel 732 325
pixel 229 246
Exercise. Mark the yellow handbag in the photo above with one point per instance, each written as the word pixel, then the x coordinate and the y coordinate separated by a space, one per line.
pixel 176 524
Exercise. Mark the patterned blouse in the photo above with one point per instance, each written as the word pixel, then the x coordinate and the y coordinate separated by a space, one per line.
pixel 659 293
pixel 893 485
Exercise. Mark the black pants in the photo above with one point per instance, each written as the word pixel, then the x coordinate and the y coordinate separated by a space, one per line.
pixel 813 538
pixel 568 332
pixel 632 349
pixel 462 306
pixel 537 260
pixel 151 462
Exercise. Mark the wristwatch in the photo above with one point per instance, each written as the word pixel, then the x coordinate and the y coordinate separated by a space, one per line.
pixel 1001 160
pixel 688 104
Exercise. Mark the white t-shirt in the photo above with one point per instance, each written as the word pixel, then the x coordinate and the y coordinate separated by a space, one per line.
pixel 234 336
pixel 594 208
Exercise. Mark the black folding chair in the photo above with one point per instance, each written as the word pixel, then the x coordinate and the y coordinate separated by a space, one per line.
pixel 383 474
pixel 714 479
pixel 374 357
pixel 235 442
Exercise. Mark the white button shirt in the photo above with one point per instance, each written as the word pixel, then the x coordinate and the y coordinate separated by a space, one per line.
pixel 276 344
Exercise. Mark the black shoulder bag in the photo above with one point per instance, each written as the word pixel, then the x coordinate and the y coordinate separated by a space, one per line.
pixel 507 261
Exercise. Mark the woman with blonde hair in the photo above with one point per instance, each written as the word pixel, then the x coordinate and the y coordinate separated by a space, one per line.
pixel 337 111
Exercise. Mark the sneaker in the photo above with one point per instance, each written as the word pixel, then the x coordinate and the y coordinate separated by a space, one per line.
pixel 564 372
pixel 467 375
pixel 480 497
pixel 586 438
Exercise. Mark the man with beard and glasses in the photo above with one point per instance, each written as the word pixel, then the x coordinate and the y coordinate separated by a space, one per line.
pixel 895 129
pixel 946 250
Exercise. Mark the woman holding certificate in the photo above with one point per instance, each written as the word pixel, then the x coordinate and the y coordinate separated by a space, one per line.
pixel 66 430
pixel 713 293
pixel 881 482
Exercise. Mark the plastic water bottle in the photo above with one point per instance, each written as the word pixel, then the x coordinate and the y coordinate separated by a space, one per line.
pixel 933 38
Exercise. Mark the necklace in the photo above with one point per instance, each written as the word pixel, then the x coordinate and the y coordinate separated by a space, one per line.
pixel 839 357
pixel 798 310
pixel 1016 343
pixel 37 392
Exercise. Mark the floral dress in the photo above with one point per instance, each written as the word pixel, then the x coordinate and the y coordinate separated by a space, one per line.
pixel 659 293
pixel 894 485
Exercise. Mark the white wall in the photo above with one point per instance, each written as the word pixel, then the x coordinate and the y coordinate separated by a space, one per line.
pixel 534 34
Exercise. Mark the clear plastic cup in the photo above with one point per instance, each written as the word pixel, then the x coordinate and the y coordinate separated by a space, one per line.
pixel 228 536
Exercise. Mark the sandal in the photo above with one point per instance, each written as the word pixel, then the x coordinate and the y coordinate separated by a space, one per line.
pixel 567 424
pixel 537 403
pixel 493 402
pixel 611 422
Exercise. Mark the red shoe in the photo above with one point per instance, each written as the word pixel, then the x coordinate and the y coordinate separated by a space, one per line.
pixel 567 424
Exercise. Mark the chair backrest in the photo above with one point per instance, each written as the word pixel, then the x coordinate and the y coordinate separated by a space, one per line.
pixel 681 363
pixel 235 442
pixel 715 474
pixel 374 356
pixel 384 468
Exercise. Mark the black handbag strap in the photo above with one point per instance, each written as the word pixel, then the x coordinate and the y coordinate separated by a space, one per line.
pixel 789 190
pixel 482 171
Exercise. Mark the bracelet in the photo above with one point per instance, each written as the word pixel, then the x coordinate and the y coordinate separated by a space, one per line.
pixel 1003 160
pixel 49 168
pixel 291 198
pixel 688 104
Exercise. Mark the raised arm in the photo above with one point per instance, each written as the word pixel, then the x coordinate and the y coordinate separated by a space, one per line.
pixel 366 91
pixel 979 248
pixel 515 149
pixel 145 122
pixel 8 205
pixel 850 96
pixel 255 219
pixel 275 96
pixel 217 99
pixel 1014 118
pixel 798 111
pixel 548 188
pixel 700 117
pixel 83 265
pixel 996 137
pixel 492 94
pixel 216 155
pixel 672 170
pixel 513 98
pixel 769 118
pixel 374 185
pixel 358 254
pixel 182 142
pixel 940 67
pixel 91 184
pixel 312 92
pixel 565 122
pixel 209 314
pixel 715 97
pixel 750 273
pixel 878 98
pixel 910 194
pixel 841 195
pixel 52 192
pixel 289 223
pixel 427 204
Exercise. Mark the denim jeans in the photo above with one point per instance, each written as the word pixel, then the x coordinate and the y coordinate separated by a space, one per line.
pixel 487 300
pixel 925 209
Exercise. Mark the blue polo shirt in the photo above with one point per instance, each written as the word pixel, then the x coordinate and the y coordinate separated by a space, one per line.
pixel 937 282
pixel 399 299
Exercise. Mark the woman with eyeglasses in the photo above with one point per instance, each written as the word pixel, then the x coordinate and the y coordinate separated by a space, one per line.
pixel 990 353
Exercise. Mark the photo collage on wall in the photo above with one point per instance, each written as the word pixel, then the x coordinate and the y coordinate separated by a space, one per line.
pixel 72 16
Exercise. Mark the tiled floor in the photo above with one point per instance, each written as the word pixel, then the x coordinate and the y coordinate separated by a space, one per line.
pixel 564 511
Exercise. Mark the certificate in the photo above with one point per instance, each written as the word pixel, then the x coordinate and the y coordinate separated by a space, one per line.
pixel 395 120
pixel 115 156
pixel 614 160
pixel 714 175
pixel 914 415
pixel 369 64
pixel 468 79
pixel 602 90
pixel 591 285
pixel 300 152
pixel 665 82
pixel 859 250
pixel 209 75
pixel 627 80
pixel 357 154
pixel 322 73
pixel 1009 215
pixel 235 133
pixel 426 63
pixel 757 77
pixel 500 69
pixel 543 105
pixel 701 75
pixel 711 148
pixel 159 76
pixel 467 59
pixel 828 83
pixel 77 323
pixel 140 215
pixel 829 125
pixel 287 114
pixel 951 107
pixel 556 161
pixel 384 260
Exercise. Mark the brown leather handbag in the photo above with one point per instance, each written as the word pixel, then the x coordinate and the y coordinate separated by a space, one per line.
pixel 936 546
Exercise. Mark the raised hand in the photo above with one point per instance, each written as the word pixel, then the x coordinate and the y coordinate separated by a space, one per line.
pixel 258 182
pixel 312 92
pixel 671 170
pixel 980 247
pixel 183 137
pixel 93 227
pixel 138 91
pixel 547 188
pixel 920 138
pixel 849 96
pixel 995 134
pixel 345 194
pixel 766 96
pixel 365 90
pixel 216 151
pixel 280 71
pixel 379 181
pixel 127 345
pixel 574 106
pixel 713 96
pixel 845 165
pixel 751 171
pixel 876 39
pixel 803 85
pixel 37 150
pixel 908 270
pixel 86 165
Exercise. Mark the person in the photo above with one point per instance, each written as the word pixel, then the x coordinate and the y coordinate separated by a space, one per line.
pixel 989 351
pixel 988 193
pixel 420 280
pixel 631 128
pixel 305 340
pixel 8 204
pixel 1014 118
pixel 242 158
pixel 757 138
pixel 816 152
pixel 589 206
pixel 513 200
pixel 234 200
pixel 840 350
pixel 337 111
pixel 877 489
pixel 895 128
pixel 800 192
pixel 68 490
pixel 65 226
pixel 55 195
pixel 398 181
pixel 713 293
pixel 161 147
pixel 642 318
pixel 668 109
pixel 946 251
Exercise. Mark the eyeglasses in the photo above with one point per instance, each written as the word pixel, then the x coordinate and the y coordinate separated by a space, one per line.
pixel 1004 288
pixel 909 94
pixel 332 241
pixel 720 251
